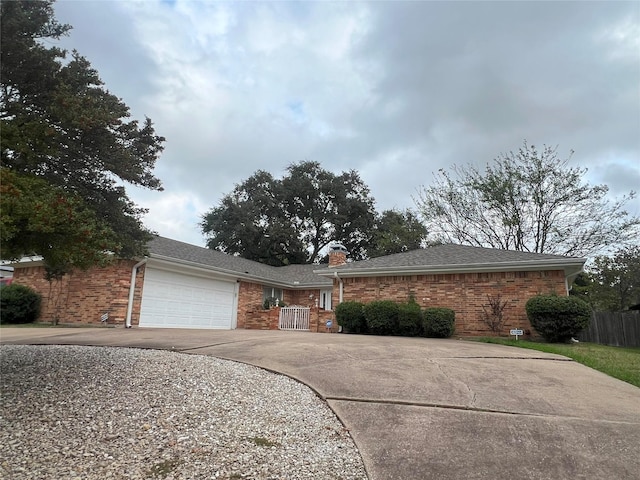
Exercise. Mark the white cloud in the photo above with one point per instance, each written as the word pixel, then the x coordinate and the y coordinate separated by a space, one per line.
pixel 174 214
pixel 395 90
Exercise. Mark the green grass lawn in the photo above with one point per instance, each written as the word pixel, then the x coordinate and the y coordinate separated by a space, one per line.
pixel 619 362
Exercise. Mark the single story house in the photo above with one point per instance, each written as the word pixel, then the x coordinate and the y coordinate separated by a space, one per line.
pixel 179 285
pixel 459 277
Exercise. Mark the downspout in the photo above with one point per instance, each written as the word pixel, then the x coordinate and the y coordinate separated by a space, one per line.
pixel 335 274
pixel 132 289
pixel 566 280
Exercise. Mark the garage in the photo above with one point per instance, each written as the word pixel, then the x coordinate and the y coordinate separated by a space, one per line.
pixel 180 300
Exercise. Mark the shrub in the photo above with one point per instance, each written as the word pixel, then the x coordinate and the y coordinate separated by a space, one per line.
pixel 19 304
pixel 439 322
pixel 493 314
pixel 350 316
pixel 556 318
pixel 409 319
pixel 381 317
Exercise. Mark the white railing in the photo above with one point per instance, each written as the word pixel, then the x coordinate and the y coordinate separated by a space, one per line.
pixel 294 318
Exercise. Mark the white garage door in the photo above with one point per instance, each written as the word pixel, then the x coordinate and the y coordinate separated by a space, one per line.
pixel 176 300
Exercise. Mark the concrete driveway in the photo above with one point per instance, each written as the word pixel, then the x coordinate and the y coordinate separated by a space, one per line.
pixel 430 408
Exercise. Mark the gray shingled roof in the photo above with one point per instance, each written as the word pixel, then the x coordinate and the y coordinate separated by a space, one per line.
pixel 166 248
pixel 454 257
pixel 435 259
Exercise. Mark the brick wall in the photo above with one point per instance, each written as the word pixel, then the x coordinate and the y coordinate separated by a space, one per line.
pixel 249 300
pixel 83 297
pixel 465 293
pixel 304 298
pixel 269 320
pixel 261 319
pixel 318 321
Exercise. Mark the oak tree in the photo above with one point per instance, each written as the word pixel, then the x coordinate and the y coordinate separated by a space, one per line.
pixel 293 219
pixel 395 232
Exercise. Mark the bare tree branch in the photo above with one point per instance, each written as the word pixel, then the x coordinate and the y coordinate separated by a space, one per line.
pixel 529 200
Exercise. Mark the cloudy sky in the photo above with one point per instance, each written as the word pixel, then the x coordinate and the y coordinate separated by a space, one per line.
pixel 395 90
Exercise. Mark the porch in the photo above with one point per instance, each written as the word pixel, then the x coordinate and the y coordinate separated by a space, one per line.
pixel 261 319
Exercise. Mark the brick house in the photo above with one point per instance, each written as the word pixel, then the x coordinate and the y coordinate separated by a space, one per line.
pixel 179 285
pixel 458 277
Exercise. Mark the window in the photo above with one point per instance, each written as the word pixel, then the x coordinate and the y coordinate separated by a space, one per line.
pixel 272 293
pixel 325 299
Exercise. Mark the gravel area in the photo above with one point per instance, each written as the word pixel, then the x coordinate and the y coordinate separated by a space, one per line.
pixel 71 412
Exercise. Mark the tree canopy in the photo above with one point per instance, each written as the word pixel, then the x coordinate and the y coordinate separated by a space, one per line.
pixel 292 219
pixel 396 232
pixel 615 280
pixel 530 200
pixel 39 217
pixel 64 132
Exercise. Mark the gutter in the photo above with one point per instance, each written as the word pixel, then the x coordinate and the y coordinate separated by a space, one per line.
pixel 132 288
pixel 460 268
pixel 570 278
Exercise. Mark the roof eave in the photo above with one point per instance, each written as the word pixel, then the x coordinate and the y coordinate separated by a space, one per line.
pixel 569 266
pixel 235 275
pixel 32 261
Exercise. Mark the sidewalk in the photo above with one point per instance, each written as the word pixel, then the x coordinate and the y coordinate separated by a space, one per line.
pixel 429 408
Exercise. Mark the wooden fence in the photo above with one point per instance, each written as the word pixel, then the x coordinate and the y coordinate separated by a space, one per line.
pixel 620 329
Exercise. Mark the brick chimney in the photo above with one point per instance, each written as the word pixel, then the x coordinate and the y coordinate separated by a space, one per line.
pixel 337 255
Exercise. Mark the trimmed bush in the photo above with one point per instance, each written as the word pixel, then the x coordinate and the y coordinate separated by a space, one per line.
pixel 381 317
pixel 350 316
pixel 409 319
pixel 439 322
pixel 19 304
pixel 556 318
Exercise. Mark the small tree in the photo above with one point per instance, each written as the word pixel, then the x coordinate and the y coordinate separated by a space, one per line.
pixel 493 313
